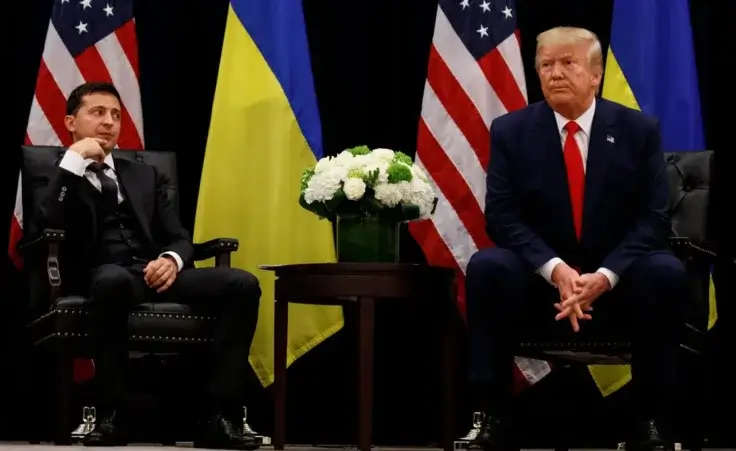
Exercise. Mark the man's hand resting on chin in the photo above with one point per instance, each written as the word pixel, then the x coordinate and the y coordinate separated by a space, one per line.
pixel 159 274
pixel 567 281
pixel 587 288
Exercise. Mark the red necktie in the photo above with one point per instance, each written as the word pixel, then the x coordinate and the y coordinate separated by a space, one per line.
pixel 575 175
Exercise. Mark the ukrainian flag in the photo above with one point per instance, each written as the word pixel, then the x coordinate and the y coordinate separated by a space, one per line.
pixel 264 131
pixel 650 67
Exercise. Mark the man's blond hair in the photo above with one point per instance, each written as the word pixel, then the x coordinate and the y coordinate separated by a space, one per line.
pixel 572 36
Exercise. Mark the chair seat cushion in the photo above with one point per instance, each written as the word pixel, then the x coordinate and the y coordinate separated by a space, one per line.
pixel 594 352
pixel 162 322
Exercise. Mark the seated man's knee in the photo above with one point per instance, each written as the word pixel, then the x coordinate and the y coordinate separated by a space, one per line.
pixel 112 282
pixel 492 275
pixel 494 264
pixel 664 272
pixel 245 285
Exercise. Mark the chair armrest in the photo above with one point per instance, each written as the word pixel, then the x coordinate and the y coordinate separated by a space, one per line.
pixel 49 236
pixel 685 249
pixel 48 243
pixel 219 248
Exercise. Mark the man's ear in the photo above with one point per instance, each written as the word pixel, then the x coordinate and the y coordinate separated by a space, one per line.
pixel 69 122
pixel 597 80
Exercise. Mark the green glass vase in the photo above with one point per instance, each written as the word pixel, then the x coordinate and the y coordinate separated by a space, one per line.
pixel 367 240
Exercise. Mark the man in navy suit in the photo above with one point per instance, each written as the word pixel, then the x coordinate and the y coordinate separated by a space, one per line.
pixel 576 204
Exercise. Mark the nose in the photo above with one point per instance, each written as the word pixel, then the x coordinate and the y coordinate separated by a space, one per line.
pixel 107 119
pixel 556 71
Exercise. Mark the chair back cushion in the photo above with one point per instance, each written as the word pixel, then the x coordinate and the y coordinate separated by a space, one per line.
pixel 689 178
pixel 39 164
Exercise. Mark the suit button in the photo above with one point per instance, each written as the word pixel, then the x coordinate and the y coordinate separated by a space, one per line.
pixel 122 226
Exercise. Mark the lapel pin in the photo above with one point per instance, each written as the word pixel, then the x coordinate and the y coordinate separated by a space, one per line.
pixel 610 139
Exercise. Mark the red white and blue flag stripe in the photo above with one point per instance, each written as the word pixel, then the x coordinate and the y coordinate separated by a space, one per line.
pixel 86 40
pixel 475 75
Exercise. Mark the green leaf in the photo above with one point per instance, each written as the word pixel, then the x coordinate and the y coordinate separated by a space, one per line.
pixel 317 208
pixel 334 204
pixel 400 213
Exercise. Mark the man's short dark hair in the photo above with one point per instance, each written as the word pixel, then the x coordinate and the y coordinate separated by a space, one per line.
pixel 94 87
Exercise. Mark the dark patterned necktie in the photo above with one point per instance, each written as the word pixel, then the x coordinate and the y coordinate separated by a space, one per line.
pixel 109 187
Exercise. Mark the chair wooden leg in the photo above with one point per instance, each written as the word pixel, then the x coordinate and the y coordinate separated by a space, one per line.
pixel 281 325
pixel 366 323
pixel 62 426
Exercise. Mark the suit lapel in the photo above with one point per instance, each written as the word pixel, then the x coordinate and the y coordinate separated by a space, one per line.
pixel 87 194
pixel 552 165
pixel 127 180
pixel 601 147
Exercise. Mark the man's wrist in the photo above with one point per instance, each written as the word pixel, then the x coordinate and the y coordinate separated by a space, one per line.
pixel 605 283
pixel 611 277
pixel 548 268
pixel 175 258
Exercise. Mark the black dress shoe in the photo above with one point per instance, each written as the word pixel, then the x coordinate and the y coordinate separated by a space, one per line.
pixel 109 432
pixel 221 433
pixel 494 435
pixel 647 437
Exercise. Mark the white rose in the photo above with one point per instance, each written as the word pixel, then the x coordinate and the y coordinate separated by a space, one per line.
pixel 343 159
pixel 388 194
pixel 323 164
pixel 405 189
pixel 422 195
pixel 383 154
pixel 354 188
pixel 358 162
pixel 418 172
pixel 323 185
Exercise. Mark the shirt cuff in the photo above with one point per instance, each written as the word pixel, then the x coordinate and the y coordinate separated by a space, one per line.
pixel 74 163
pixel 175 256
pixel 546 269
pixel 610 275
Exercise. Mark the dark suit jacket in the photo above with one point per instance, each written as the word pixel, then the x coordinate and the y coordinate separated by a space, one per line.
pixel 528 206
pixel 66 203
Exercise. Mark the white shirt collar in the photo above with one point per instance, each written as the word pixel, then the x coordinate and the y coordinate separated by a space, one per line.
pixel 109 161
pixel 585 121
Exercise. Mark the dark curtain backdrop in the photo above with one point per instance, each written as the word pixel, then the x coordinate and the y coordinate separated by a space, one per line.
pixel 369 67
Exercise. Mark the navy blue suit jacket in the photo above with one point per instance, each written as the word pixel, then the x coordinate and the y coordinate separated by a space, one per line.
pixel 528 206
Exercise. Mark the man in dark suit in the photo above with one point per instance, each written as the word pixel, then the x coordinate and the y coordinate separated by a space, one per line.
pixel 128 247
pixel 576 204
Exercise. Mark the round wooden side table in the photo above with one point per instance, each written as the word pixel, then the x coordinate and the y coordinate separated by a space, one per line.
pixel 364 284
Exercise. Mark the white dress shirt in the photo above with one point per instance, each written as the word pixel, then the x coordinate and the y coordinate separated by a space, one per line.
pixel 582 138
pixel 74 163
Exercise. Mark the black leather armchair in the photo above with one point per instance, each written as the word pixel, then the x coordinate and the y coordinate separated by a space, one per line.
pixel 58 318
pixel 689 176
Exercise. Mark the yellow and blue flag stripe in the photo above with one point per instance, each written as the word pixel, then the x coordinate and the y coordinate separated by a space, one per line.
pixel 264 131
pixel 650 66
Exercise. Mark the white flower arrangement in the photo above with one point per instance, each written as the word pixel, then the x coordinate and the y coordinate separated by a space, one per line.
pixel 360 183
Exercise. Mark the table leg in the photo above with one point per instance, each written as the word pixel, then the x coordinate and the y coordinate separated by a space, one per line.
pixel 448 344
pixel 366 322
pixel 281 325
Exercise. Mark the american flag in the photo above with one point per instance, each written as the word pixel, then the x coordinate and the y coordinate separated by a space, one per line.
pixel 86 40
pixel 475 75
